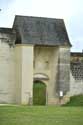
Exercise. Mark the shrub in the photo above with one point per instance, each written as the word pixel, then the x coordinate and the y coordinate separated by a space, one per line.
pixel 75 101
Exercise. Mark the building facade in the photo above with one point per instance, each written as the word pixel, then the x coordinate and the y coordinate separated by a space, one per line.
pixel 35 50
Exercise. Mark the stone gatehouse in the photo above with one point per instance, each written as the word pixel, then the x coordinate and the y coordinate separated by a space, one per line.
pixel 34 50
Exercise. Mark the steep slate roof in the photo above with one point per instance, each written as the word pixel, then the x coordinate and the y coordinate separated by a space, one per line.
pixel 40 31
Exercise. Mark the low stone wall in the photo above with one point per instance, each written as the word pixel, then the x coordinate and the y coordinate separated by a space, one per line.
pixel 76 86
pixel 76 76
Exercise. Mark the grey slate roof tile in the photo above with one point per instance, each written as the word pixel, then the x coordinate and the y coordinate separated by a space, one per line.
pixel 40 31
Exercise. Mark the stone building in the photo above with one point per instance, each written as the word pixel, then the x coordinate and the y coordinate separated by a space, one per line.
pixel 35 51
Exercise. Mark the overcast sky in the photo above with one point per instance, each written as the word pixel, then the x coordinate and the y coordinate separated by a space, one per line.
pixel 70 10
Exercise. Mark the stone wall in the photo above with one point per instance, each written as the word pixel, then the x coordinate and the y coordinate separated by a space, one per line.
pixel 7 72
pixel 46 63
pixel 76 74
pixel 27 74
pixel 18 73
pixel 64 70
pixel 24 73
pixel 76 86
pixel 19 64
pixel 55 63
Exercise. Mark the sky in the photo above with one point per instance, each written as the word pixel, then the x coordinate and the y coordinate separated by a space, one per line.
pixel 69 10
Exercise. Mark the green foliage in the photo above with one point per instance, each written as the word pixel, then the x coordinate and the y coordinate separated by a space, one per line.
pixel 75 101
pixel 39 93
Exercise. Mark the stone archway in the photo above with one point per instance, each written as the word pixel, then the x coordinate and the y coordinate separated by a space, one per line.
pixel 39 93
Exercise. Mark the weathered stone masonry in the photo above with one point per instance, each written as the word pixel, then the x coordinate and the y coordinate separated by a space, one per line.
pixel 7 66
pixel 76 74
pixel 35 48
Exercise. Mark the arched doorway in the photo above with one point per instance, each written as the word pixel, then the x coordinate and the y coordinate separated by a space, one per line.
pixel 39 93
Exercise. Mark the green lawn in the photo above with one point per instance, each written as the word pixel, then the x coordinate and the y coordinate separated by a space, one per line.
pixel 41 115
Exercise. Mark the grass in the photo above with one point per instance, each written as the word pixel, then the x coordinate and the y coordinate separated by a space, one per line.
pixel 75 101
pixel 41 115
